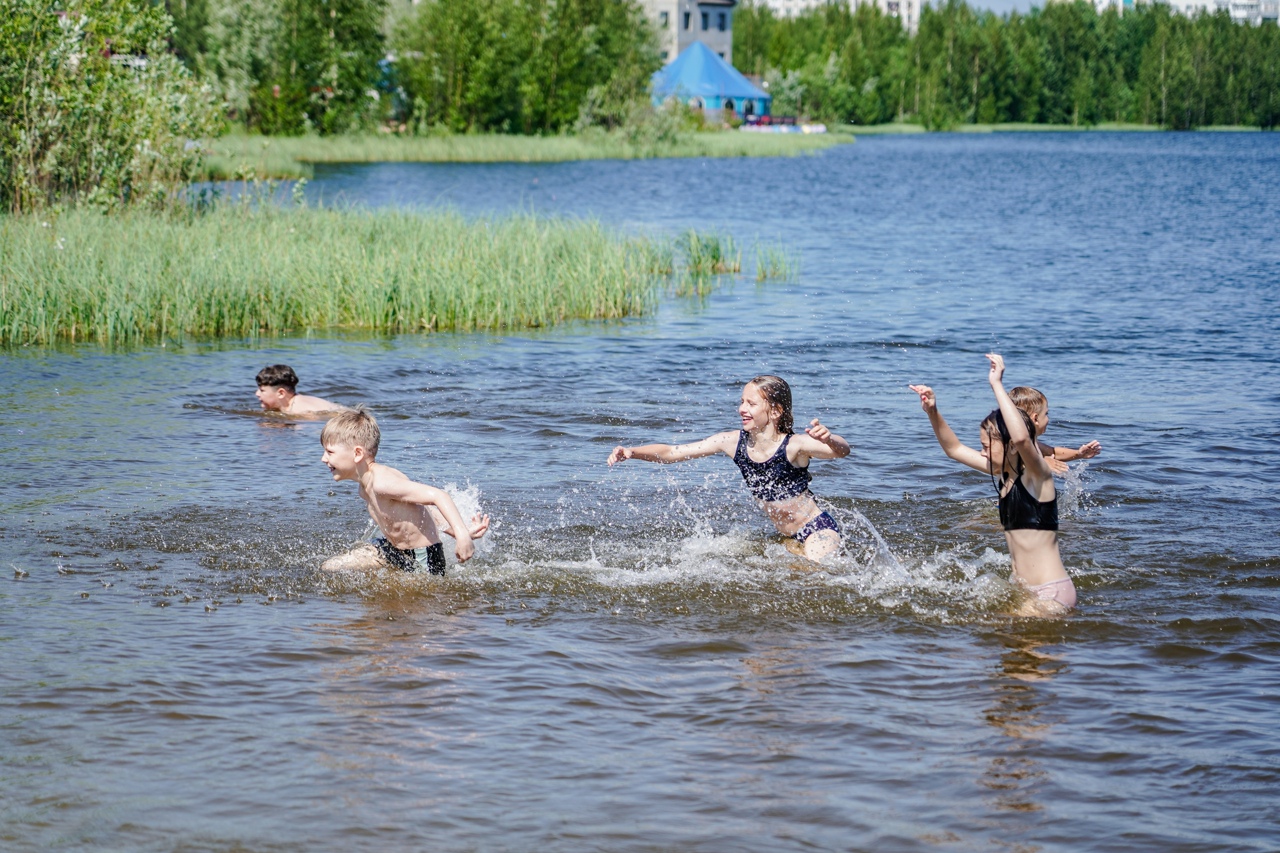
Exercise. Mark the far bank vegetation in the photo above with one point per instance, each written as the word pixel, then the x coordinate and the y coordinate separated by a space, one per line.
pixel 1064 64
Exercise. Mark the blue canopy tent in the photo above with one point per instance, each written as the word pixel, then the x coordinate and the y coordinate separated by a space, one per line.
pixel 701 79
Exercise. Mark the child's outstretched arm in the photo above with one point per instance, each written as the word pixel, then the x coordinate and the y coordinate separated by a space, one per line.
pixel 951 445
pixel 1050 454
pixel 1084 451
pixel 818 442
pixel 438 500
pixel 723 442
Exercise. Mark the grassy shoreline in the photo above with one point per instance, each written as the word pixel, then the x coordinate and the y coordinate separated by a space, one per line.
pixel 253 268
pixel 236 155
pixel 240 271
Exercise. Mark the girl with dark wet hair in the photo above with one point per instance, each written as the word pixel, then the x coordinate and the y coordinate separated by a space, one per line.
pixel 1024 485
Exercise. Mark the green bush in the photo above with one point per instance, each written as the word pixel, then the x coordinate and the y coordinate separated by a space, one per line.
pixel 523 66
pixel 93 108
pixel 288 66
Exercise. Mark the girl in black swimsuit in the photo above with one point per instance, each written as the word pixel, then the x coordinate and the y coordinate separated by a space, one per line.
pixel 1024 484
pixel 773 459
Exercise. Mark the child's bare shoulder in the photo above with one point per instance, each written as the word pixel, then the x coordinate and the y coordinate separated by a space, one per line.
pixel 387 480
pixel 306 404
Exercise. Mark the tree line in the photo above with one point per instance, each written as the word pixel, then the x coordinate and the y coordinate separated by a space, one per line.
pixel 329 66
pixel 105 100
pixel 1063 64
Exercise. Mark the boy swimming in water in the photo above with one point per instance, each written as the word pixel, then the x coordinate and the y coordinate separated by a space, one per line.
pixel 410 515
pixel 277 392
pixel 1036 405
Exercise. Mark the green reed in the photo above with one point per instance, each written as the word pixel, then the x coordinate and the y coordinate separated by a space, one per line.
pixel 239 155
pixel 241 270
pixel 774 263
pixel 707 258
pixel 709 254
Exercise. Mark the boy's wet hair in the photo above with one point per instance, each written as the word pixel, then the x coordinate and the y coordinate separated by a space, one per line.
pixel 1029 399
pixel 278 376
pixel 353 428
pixel 995 423
pixel 777 392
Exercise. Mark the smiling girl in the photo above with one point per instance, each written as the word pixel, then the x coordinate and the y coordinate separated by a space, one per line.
pixel 774 461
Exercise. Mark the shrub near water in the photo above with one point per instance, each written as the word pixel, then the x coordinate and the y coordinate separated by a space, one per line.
pixel 92 107
pixel 235 271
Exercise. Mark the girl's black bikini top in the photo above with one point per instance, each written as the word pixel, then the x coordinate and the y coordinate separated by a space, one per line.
pixel 775 479
pixel 1020 511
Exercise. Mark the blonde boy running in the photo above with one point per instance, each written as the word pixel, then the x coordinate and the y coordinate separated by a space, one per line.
pixel 410 515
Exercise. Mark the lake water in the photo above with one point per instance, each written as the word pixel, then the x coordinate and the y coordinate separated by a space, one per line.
pixel 633 662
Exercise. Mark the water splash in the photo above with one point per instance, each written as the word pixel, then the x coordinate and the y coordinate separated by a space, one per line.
pixel 692 550
pixel 1072 492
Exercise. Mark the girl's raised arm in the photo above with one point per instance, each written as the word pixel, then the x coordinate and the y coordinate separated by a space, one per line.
pixel 722 442
pixel 1023 441
pixel 951 445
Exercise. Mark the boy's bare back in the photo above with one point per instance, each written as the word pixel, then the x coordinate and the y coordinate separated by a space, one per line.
pixel 305 404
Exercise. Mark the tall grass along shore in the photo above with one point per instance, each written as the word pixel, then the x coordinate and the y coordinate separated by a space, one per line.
pixel 241 269
pixel 237 155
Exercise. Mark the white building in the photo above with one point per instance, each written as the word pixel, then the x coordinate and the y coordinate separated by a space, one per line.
pixel 682 22
pixel 1254 12
pixel 908 11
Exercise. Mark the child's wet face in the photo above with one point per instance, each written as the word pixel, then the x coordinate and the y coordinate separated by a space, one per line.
pixel 341 459
pixel 992 448
pixel 755 411
pixel 271 397
pixel 1041 421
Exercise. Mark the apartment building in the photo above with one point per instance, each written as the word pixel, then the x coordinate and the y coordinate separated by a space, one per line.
pixel 1255 12
pixel 680 23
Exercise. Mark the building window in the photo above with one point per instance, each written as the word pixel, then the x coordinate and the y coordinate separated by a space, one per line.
pixel 663 19
pixel 706 21
pixel 665 54
pixel 687 15
pixel 720 21
pixel 720 54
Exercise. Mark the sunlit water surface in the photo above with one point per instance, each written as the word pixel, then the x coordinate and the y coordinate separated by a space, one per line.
pixel 633 661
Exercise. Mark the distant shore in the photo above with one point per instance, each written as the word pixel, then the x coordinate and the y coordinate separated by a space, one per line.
pixel 239 155
pixel 897 128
